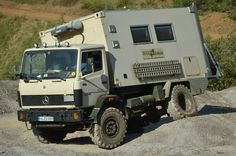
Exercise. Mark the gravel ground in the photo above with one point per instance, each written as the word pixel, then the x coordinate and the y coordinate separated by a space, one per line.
pixel 212 132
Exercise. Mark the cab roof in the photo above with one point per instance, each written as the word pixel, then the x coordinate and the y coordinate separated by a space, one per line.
pixel 72 46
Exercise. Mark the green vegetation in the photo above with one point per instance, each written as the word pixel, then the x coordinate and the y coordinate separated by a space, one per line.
pixel 207 5
pixel 224 51
pixel 64 2
pixel 95 5
pixel 210 5
pixel 53 2
pixel 232 14
pixel 17 34
pixel 32 2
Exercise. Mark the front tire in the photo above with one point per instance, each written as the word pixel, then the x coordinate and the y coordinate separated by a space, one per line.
pixel 111 130
pixel 49 135
pixel 182 103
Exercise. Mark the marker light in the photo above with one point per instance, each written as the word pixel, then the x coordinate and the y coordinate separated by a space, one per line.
pixel 67 44
pixel 36 45
pixel 58 44
pixel 45 45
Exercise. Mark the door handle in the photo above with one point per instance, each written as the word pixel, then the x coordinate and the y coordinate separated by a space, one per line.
pixel 104 82
pixel 84 84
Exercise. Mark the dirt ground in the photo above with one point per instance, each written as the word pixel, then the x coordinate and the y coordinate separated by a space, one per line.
pixel 211 132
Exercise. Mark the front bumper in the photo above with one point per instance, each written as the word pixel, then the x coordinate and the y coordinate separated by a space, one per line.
pixel 50 116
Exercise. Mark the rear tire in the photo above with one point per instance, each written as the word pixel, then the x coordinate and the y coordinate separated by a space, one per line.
pixel 182 103
pixel 49 135
pixel 111 130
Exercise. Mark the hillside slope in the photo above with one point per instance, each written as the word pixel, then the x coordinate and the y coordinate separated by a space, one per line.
pixel 20 23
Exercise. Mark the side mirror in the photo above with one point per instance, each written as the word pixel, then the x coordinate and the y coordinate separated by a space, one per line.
pixel 16 70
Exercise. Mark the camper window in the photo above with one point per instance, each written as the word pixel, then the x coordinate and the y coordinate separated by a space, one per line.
pixel 164 32
pixel 140 34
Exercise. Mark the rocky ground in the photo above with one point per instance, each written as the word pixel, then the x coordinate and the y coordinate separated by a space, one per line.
pixel 211 132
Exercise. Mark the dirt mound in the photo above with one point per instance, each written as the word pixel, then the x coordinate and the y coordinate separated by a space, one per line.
pixel 217 25
pixel 228 95
pixel 41 12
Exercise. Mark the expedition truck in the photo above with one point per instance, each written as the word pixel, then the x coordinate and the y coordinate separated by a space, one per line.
pixel 98 72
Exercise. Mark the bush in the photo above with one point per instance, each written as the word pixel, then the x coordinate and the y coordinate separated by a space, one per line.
pixel 182 3
pixel 232 14
pixel 31 1
pixel 224 51
pixel 204 5
pixel 95 5
pixel 2 15
pixel 64 2
pixel 220 5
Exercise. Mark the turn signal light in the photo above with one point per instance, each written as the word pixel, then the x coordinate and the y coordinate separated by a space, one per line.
pixel 76 116
pixel 21 116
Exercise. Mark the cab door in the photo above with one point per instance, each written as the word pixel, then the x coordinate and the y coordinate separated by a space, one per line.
pixel 94 81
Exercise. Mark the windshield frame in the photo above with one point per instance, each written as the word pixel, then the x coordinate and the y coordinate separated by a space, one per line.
pixel 54 51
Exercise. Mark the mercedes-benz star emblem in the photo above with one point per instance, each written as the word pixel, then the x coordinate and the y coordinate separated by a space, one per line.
pixel 45 100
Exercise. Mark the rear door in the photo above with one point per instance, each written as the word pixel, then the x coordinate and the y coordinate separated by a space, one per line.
pixel 95 81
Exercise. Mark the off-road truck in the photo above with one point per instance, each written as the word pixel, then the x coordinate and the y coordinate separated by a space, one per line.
pixel 98 72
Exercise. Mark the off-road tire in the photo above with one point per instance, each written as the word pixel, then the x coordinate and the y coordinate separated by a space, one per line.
pixel 49 135
pixel 182 104
pixel 111 129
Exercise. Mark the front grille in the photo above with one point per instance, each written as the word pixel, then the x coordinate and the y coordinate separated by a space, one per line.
pixel 44 100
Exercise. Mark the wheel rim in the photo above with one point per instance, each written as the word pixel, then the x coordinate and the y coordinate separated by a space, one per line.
pixel 110 127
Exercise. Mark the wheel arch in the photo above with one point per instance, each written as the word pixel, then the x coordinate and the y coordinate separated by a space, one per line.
pixel 104 102
pixel 170 85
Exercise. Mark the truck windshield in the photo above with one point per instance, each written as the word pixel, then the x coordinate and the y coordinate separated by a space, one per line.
pixel 50 64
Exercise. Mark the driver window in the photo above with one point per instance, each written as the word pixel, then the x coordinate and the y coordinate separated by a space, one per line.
pixel 91 62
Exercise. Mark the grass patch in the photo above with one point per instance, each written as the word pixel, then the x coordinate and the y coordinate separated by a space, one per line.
pixel 32 2
pixel 206 5
pixel 232 14
pixel 95 5
pixel 17 34
pixel 64 2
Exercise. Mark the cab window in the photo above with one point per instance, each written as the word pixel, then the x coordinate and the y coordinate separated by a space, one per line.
pixel 91 62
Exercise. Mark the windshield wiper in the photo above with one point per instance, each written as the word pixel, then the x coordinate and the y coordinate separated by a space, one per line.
pixel 63 78
pixel 23 76
pixel 35 78
pixel 26 77
pixel 57 77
